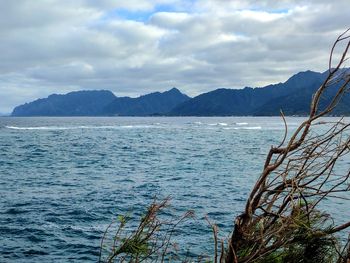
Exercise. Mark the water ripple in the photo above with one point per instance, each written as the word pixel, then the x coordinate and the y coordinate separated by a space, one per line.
pixel 64 179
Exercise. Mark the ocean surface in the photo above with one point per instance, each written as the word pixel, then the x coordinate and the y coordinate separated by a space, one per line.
pixel 63 180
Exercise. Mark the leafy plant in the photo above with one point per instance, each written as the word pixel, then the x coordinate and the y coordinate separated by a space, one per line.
pixel 151 239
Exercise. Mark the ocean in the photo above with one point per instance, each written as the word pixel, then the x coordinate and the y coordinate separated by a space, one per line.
pixel 63 180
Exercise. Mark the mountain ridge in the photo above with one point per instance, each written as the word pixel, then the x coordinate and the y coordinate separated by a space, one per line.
pixel 240 102
pixel 155 103
pixel 292 97
pixel 101 103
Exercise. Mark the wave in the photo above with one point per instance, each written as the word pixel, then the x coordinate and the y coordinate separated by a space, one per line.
pixel 241 123
pixel 251 128
pixel 37 128
pixel 244 128
pixel 218 124
pixel 78 127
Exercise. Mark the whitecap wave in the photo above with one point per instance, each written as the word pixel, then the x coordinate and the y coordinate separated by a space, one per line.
pixel 244 128
pixel 218 124
pixel 37 128
pixel 252 128
pixel 241 123
pixel 78 127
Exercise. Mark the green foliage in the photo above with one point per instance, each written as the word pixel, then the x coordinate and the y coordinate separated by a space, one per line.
pixel 309 241
pixel 151 239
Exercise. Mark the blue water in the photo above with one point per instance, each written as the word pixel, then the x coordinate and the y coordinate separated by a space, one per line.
pixel 62 180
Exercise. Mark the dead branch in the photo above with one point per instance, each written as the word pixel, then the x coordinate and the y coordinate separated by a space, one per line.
pixel 297 176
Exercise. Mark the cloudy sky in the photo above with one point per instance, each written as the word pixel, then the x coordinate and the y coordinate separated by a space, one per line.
pixel 135 47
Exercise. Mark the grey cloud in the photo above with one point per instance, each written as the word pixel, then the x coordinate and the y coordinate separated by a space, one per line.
pixel 59 46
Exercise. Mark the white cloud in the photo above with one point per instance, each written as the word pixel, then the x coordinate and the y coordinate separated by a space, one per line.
pixel 58 46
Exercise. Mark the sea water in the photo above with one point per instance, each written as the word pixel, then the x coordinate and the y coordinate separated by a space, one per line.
pixel 63 180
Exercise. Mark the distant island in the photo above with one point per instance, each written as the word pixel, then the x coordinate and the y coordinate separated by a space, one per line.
pixel 292 96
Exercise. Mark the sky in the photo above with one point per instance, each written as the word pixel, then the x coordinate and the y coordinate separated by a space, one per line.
pixel 136 47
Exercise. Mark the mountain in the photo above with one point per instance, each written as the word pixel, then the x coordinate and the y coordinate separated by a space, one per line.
pixel 101 103
pixel 292 96
pixel 151 104
pixel 77 103
pixel 298 101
